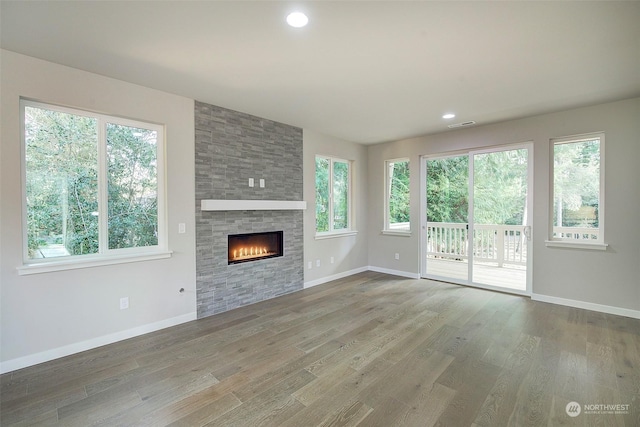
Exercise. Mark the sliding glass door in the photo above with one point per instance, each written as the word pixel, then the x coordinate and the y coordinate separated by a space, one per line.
pixel 476 213
pixel 446 240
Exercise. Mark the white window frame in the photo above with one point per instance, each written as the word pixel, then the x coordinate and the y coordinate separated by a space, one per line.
pixel 349 231
pixel 387 228
pixel 105 256
pixel 595 244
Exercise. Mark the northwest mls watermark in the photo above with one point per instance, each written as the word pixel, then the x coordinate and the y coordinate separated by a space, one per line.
pixel 573 409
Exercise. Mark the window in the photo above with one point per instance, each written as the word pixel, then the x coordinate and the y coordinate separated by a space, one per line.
pixel 333 195
pixel 578 189
pixel 397 196
pixel 93 185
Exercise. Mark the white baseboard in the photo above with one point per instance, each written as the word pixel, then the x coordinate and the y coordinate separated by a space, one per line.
pixel 635 314
pixel 45 356
pixel 395 272
pixel 337 276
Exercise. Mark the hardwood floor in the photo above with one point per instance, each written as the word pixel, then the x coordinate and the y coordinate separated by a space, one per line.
pixel 368 350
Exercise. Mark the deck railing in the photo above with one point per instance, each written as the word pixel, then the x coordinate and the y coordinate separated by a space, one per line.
pixel 575 233
pixel 500 244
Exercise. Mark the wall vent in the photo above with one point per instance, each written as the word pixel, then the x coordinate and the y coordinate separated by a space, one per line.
pixel 461 125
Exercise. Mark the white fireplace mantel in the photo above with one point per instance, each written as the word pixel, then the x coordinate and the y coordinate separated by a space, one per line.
pixel 251 205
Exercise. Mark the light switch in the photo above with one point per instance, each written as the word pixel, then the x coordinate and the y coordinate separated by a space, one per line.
pixel 182 228
pixel 250 182
pixel 261 182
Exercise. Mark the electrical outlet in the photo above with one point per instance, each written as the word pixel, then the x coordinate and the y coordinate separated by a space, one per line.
pixel 332 260
pixel 397 255
pixel 182 228
pixel 317 263
pixel 310 265
pixel 250 182
pixel 261 182
pixel 124 303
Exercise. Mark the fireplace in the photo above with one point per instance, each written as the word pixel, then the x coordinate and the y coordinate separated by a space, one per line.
pixel 254 246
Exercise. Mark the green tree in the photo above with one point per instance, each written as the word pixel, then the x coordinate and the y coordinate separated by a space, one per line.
pixel 448 189
pixel 500 187
pixel 322 194
pixel 132 188
pixel 577 184
pixel 61 181
pixel 399 194
pixel 340 195
pixel 61 157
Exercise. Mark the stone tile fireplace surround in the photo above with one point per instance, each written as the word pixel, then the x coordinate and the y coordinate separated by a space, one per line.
pixel 232 147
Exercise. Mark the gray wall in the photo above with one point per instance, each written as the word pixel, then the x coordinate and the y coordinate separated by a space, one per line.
pixel 608 278
pixel 230 148
pixel 49 315
pixel 349 252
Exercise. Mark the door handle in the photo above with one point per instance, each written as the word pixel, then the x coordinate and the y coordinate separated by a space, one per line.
pixel 527 232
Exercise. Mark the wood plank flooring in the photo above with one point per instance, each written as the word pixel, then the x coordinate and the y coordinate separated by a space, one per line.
pixel 367 350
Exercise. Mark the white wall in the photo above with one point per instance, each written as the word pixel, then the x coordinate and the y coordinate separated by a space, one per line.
pixel 592 279
pixel 48 315
pixel 349 252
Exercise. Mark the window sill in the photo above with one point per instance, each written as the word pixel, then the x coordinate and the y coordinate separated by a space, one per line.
pixel 335 234
pixel 397 233
pixel 61 265
pixel 576 245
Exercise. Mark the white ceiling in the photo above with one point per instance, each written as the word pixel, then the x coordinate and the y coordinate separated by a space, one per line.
pixel 362 71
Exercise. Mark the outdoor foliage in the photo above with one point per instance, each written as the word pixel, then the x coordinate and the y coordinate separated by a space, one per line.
pixel 576 183
pixel 61 181
pixel 500 186
pixel 61 156
pixel 332 179
pixel 398 192
pixel 340 195
pixel 133 202
pixel 447 189
pixel 322 194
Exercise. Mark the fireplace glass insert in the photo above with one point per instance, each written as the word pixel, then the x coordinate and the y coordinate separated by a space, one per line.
pixel 254 246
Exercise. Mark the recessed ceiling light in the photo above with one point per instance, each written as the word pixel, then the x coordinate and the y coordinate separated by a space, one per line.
pixel 297 19
pixel 448 116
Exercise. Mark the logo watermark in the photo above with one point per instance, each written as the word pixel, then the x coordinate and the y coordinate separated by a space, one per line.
pixel 573 409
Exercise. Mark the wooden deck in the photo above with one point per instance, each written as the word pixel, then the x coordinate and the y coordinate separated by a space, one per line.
pixel 509 277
